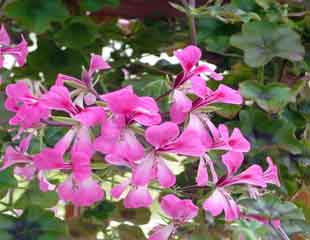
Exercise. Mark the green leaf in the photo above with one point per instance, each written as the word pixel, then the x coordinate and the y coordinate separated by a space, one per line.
pixel 78 32
pixel 261 41
pixel 127 232
pixel 270 207
pixel 36 15
pixel 33 196
pixel 7 179
pixel 96 5
pixel 272 97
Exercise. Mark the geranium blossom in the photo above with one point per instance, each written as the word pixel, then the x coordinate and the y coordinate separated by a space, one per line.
pixel 19 51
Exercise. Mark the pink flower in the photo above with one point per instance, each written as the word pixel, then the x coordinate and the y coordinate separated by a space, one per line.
pixel 271 174
pixel 58 98
pixel 143 110
pixel 29 110
pixel 82 193
pixel 166 138
pixel 118 142
pixel 180 211
pixel 221 200
pixel 177 209
pixel 97 63
pixel 182 105
pixel 18 155
pixel 236 142
pixel 189 58
pixel 19 51
pixel 137 197
pixel 52 158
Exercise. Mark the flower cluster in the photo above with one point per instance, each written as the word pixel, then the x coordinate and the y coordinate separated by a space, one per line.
pixel 136 135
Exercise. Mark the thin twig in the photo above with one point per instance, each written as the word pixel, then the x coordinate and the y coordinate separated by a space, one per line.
pixel 191 19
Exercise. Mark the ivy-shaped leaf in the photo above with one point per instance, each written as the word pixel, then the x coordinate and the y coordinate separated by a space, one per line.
pixel 261 41
pixel 291 217
pixel 36 15
pixel 271 97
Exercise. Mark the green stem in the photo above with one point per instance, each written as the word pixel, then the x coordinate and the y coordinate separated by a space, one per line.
pixel 191 19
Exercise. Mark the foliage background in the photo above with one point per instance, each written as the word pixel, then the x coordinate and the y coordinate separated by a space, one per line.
pixel 262 44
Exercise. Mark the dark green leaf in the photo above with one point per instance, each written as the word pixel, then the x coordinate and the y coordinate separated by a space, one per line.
pixel 261 41
pixel 271 97
pixel 33 196
pixel 36 15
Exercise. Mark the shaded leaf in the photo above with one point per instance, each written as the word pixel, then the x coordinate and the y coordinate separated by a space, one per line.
pixel 261 41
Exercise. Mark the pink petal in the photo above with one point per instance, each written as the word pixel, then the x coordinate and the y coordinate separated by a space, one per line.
pixel 164 175
pixel 271 174
pixel 180 107
pixel 58 98
pixel 4 37
pixel 147 112
pixel 12 157
pixel 188 57
pixel 64 143
pixel 160 135
pixel 62 78
pixel 232 161
pixel 252 176
pixel 206 69
pixel 143 173
pixel 199 86
pixel 85 193
pixel 122 101
pixel 162 233
pixel 19 52
pixel 81 166
pixel 138 198
pixel 178 209
pixel 238 142
pixel 118 189
pixel 225 94
pixel 27 172
pixel 91 116
pixel 215 203
pixel 202 178
pixel 182 145
pixel 83 142
pixel 48 159
pixel 97 63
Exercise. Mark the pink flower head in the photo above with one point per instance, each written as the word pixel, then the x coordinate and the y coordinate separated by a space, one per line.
pixel 118 142
pixel 19 51
pixel 182 105
pixel 137 197
pixel 181 211
pixel 28 109
pixel 97 63
pixel 189 58
pixel 236 142
pixel 82 193
pixel 271 174
pixel 221 200
pixel 166 138
pixel 58 98
pixel 53 158
pixel 18 155
pixel 143 110
pixel 177 209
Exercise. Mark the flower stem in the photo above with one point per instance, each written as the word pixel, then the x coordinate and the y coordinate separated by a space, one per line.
pixel 191 19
